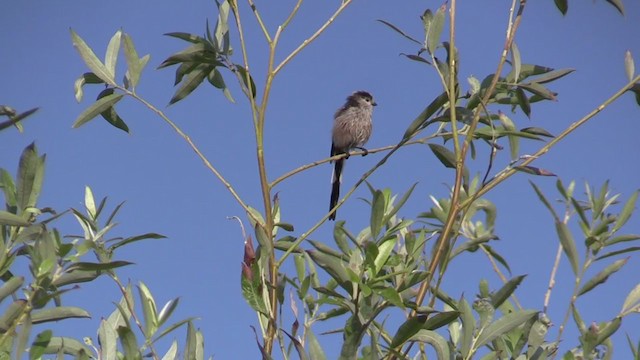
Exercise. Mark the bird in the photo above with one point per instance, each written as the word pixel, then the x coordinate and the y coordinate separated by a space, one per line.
pixel 352 125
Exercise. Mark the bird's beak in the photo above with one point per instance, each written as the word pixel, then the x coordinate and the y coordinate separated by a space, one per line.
pixel 374 103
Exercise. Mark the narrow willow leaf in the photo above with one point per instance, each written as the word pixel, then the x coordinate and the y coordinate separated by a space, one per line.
pixel 133 62
pixel 618 252
pixel 537 131
pixel 627 210
pixel 149 310
pixel 111 56
pixel 562 5
pixel 86 266
pixel 435 29
pixel 434 339
pixel 377 214
pixel 7 218
pixel 408 329
pixel 441 319
pixel 129 343
pixel 11 286
pixel 632 301
pixel 446 156
pixel 91 60
pixel 421 120
pixel 172 353
pixel 608 330
pixel 514 142
pixel 602 276
pixel 516 61
pixel 468 327
pixel 552 75
pixel 417 58
pixel 503 325
pixel 618 5
pixel 506 290
pixel 384 251
pixel 192 81
pixel 24 333
pixel 247 80
pixel 86 78
pixel 396 29
pixel 313 345
pixel 534 170
pixel 96 109
pixel 536 88
pixel 71 346
pixel 39 345
pixel 11 314
pixel 167 310
pixel 568 245
pixel 58 313
pixel 108 341
pixel 523 102
pixel 29 179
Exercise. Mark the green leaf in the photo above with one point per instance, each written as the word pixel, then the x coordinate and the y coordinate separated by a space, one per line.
pixel 568 245
pixel 29 179
pixel 503 325
pixel 396 29
pixel 618 5
pixel 446 156
pixel 91 60
pixel 537 131
pixel 24 332
pixel 129 343
pixel 111 56
pixel 420 121
pixel 149 310
pixel 192 81
pixel 562 5
pixel 468 327
pixel 514 143
pixel 11 314
pixel 506 290
pixel 602 276
pixel 534 170
pixel 440 319
pixel 108 341
pixel 167 310
pixel 96 109
pixel 523 102
pixel 58 313
pixel 408 329
pixel 243 75
pixel 377 214
pixel 315 349
pixel 86 78
pixel 552 75
pixel 435 29
pixel 110 114
pixel 434 339
pixel 134 63
pixel 65 345
pixel 132 239
pixel 632 300
pixel 11 286
pixel 516 61
pixel 627 210
pixel 87 266
pixel 7 218
pixel 537 89
pixel 172 353
pixel 40 344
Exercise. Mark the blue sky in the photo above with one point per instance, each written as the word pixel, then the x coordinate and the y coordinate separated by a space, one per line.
pixel 167 190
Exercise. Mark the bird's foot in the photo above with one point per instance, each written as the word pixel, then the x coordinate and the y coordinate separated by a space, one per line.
pixel 365 152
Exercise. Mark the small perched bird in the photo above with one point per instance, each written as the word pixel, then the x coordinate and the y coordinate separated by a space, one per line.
pixel 351 130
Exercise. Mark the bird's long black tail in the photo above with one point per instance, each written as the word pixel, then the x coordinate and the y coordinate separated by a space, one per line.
pixel 335 186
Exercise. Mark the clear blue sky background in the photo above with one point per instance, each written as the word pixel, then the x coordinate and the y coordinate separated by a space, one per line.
pixel 169 191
